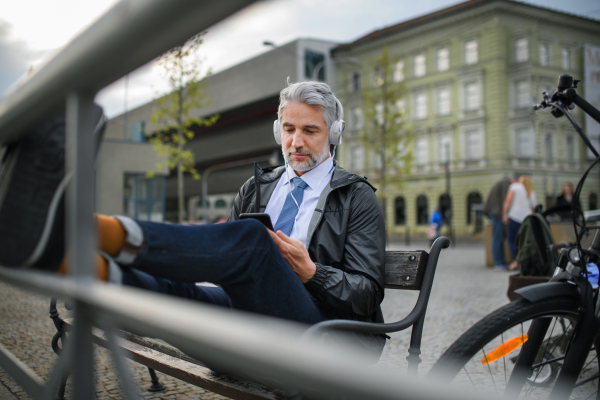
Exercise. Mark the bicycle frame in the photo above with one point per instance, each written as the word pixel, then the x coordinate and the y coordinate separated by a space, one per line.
pixel 571 279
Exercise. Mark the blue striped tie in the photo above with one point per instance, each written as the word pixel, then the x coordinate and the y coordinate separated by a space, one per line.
pixel 285 222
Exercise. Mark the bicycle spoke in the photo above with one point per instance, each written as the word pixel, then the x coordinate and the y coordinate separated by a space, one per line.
pixel 490 369
pixel 504 360
pixel 565 333
pixel 469 376
pixel 533 382
pixel 586 365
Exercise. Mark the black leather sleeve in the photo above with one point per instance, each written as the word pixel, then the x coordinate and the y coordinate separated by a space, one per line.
pixel 239 204
pixel 358 286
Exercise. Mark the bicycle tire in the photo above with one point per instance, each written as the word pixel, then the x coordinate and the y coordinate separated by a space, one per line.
pixel 461 365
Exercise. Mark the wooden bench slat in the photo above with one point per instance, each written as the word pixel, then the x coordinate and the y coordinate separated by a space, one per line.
pixel 405 269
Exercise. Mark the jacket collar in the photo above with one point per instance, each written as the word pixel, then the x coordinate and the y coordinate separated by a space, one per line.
pixel 340 177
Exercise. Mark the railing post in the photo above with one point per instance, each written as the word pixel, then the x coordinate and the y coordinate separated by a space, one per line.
pixel 80 155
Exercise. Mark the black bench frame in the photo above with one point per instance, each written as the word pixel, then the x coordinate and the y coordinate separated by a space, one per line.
pixel 408 270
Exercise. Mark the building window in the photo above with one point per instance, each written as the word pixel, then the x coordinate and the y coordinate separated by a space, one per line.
pixel 144 198
pixel 444 148
pixel 442 59
pixel 377 76
pixel 421 151
pixel 566 58
pixel 525 143
pixel 401 106
pixel 521 50
pixel 314 65
pixel 445 203
pixel 473 144
pixel 472 100
pixel 356 82
pixel 442 97
pixel 472 199
pixel 419 65
pixel 400 208
pixel 206 203
pixel 357 115
pixel 593 201
pixel 471 53
pixel 376 159
pixel 422 210
pixel 544 54
pixel 356 158
pixel 379 110
pixel 420 105
pixel 220 203
pixel 522 93
pixel 570 148
pixel 138 132
pixel 549 147
pixel 399 71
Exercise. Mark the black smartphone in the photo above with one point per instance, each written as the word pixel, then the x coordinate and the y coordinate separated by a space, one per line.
pixel 262 217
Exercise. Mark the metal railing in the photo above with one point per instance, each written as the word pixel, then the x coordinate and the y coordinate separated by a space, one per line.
pixel 132 33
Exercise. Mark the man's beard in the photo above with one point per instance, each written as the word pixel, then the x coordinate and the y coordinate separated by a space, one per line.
pixel 313 160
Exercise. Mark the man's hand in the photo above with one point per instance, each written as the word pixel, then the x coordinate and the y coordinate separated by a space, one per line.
pixel 296 255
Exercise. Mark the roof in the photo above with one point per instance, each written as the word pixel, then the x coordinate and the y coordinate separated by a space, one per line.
pixel 461 7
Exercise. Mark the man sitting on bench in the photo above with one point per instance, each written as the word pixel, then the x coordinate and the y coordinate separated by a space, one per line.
pixel 325 261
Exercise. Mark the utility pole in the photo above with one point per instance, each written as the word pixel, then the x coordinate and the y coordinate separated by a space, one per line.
pixel 448 213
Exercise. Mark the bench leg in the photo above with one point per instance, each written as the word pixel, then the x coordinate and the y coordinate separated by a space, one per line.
pixel 156 385
pixel 61 390
pixel 414 351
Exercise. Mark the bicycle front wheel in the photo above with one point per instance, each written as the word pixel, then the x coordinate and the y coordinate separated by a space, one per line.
pixel 484 357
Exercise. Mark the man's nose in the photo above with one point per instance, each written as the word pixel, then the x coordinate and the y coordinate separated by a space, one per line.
pixel 297 141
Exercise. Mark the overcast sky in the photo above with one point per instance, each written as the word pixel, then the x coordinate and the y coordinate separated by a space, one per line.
pixel 32 30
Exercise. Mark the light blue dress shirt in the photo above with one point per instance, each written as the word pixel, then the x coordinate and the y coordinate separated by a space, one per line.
pixel 317 179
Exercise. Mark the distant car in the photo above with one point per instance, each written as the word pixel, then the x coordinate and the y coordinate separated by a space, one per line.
pixel 592 215
pixel 221 220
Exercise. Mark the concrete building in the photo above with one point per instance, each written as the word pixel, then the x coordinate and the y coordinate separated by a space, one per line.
pixel 246 98
pixel 471 73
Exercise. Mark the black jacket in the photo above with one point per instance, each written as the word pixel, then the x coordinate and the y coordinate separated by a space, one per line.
pixel 345 240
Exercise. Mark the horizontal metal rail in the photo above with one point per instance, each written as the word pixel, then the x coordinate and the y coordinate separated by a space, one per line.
pixel 235 341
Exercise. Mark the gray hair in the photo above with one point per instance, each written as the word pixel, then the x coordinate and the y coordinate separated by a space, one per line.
pixel 316 94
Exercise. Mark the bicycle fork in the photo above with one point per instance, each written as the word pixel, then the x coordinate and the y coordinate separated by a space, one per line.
pixel 576 355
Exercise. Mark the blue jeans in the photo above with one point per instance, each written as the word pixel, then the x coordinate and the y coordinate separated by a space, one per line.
pixel 497 240
pixel 239 256
pixel 513 230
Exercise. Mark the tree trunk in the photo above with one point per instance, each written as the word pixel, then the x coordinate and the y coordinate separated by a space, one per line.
pixel 180 188
pixel 180 195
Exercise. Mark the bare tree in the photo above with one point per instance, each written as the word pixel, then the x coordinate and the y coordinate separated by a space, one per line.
pixel 384 133
pixel 172 116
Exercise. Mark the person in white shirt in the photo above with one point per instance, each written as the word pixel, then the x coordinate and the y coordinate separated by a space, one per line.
pixel 519 203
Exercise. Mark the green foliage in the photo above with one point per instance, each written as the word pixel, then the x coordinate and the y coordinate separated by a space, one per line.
pixel 173 113
pixel 384 133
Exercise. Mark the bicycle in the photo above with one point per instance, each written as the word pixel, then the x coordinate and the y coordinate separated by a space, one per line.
pixel 545 345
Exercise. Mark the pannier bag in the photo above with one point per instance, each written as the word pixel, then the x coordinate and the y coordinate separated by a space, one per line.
pixel 533 240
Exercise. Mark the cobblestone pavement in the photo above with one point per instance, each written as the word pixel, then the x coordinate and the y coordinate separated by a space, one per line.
pixel 464 291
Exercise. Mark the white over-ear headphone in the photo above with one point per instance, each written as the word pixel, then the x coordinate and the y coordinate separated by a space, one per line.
pixel 336 130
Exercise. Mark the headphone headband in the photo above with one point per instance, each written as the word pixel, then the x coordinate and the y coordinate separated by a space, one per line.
pixel 336 130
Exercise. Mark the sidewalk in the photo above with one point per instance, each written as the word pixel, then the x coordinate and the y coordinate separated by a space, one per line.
pixel 463 292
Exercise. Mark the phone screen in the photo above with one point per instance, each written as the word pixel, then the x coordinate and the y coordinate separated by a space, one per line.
pixel 262 217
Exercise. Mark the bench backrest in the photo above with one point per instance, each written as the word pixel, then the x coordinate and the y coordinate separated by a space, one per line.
pixel 405 269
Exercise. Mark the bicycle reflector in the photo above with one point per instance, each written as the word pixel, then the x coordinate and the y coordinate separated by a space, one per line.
pixel 504 349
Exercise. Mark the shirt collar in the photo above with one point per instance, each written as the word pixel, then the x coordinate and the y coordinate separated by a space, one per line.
pixel 312 177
